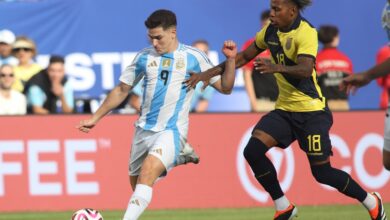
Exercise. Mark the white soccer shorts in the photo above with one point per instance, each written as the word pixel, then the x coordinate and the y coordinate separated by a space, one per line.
pixel 165 145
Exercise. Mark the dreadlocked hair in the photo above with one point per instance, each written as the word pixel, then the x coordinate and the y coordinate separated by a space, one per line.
pixel 302 4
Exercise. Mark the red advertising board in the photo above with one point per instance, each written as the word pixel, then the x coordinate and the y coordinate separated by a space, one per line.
pixel 46 164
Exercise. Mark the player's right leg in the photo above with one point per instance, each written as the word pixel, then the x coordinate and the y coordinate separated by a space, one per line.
pixel 313 137
pixel 152 168
pixel 270 131
pixel 162 150
pixel 344 183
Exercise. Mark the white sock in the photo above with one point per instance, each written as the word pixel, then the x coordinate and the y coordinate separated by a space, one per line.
pixel 369 202
pixel 282 203
pixel 138 202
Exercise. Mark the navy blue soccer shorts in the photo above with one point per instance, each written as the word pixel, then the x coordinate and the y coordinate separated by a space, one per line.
pixel 311 129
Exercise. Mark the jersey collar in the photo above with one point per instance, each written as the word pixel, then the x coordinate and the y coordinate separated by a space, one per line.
pixel 295 25
pixel 170 55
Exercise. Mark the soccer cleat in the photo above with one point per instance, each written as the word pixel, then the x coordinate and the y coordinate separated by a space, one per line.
pixel 287 214
pixel 187 155
pixel 378 213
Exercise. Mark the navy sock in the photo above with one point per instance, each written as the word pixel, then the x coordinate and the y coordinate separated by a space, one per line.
pixel 262 167
pixel 338 179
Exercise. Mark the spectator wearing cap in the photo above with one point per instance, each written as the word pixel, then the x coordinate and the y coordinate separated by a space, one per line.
pixel 49 91
pixel 12 102
pixel 7 38
pixel 24 50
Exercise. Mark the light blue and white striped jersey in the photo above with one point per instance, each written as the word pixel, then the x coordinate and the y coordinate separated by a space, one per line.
pixel 166 102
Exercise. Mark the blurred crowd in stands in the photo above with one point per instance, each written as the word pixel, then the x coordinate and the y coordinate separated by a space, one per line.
pixel 28 88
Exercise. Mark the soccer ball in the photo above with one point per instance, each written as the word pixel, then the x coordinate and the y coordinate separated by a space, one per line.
pixel 87 214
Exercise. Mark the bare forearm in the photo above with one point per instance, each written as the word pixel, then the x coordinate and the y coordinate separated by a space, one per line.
pixel 296 71
pixel 379 70
pixel 40 110
pixel 135 103
pixel 303 68
pixel 215 71
pixel 228 76
pixel 65 107
pixel 240 61
pixel 243 58
pixel 114 98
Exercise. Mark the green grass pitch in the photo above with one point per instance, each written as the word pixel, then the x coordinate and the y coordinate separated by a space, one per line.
pixel 334 212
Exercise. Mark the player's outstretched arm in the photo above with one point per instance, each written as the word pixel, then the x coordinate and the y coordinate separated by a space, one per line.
pixel 352 82
pixel 379 70
pixel 114 98
pixel 241 59
pixel 225 85
pixel 303 69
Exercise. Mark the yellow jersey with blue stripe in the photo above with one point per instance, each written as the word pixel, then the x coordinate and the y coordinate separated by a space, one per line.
pixel 295 95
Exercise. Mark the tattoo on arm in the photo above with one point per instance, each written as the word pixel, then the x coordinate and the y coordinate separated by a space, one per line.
pixel 303 69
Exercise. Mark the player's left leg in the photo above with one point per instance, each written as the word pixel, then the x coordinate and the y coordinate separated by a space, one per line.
pixel 151 169
pixel 266 175
pixel 271 130
pixel 313 137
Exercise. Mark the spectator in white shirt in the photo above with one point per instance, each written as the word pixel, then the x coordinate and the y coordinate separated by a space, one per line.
pixel 12 102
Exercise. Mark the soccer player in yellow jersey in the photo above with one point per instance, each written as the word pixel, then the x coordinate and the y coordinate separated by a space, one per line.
pixel 301 112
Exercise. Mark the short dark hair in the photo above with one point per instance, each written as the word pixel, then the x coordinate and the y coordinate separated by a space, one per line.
pixel 327 33
pixel 56 59
pixel 265 15
pixel 161 18
pixel 301 4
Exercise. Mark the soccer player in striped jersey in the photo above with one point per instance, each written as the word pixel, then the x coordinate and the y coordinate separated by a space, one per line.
pixel 161 130
pixel 301 112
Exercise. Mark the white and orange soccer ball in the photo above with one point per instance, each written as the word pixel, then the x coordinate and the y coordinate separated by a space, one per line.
pixel 87 214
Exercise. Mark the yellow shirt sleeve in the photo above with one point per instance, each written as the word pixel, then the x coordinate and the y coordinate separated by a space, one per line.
pixel 260 39
pixel 307 42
